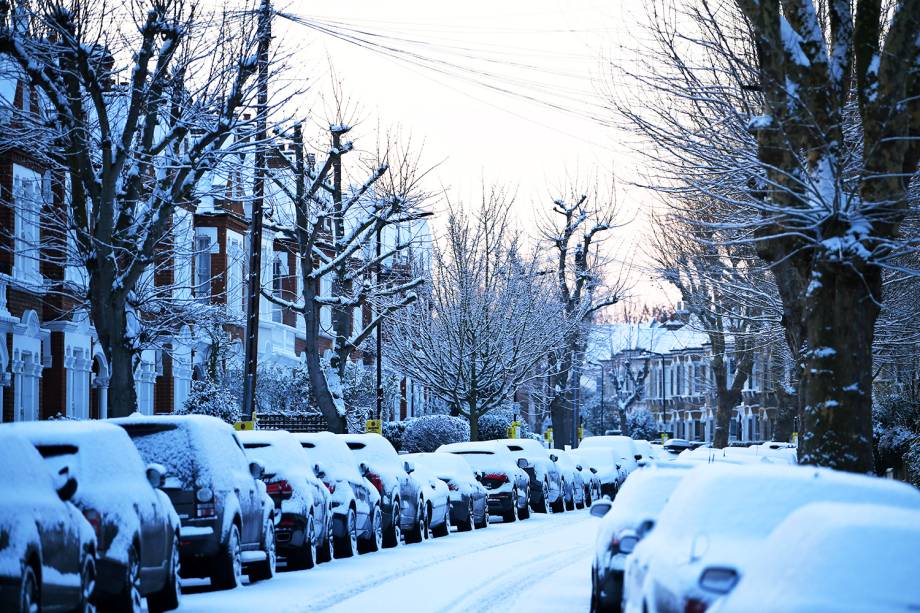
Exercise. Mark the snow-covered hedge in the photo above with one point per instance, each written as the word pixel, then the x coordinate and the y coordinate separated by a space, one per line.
pixel 641 424
pixel 494 425
pixel 206 398
pixel 393 431
pixel 912 462
pixel 427 433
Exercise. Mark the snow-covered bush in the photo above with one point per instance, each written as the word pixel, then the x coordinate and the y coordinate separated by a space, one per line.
pixel 641 424
pixel 912 462
pixel 393 431
pixel 895 428
pixel 427 433
pixel 207 398
pixel 494 424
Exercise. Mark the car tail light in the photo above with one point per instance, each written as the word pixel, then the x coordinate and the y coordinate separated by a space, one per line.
pixel 500 477
pixel 279 488
pixel 206 510
pixel 95 520
pixel 695 605
pixel 452 486
pixel 329 486
pixel 375 479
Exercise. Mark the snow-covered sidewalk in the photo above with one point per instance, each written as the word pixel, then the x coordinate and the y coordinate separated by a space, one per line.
pixel 541 564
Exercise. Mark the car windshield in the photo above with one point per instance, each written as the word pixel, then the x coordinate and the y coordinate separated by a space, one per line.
pixel 169 445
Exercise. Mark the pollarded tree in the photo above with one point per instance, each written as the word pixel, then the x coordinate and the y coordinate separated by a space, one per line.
pixel 482 326
pixel 803 120
pixel 137 101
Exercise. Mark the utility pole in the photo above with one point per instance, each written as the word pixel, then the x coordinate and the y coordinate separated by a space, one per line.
pixel 251 360
pixel 379 339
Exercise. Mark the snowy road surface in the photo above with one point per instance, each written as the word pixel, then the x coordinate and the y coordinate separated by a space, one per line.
pixel 540 564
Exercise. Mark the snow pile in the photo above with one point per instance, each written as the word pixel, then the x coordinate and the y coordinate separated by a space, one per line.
pixel 427 433
pixel 846 557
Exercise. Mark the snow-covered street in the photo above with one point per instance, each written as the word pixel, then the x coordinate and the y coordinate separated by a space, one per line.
pixel 541 564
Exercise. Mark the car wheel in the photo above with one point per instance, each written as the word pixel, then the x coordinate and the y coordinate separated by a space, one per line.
pixel 347 545
pixel 544 503
pixel 392 537
pixel 29 596
pixel 266 568
pixel 470 522
pixel 87 602
pixel 327 548
pixel 587 498
pixel 306 555
pixel 129 600
pixel 444 529
pixel 570 503
pixel 228 564
pixel 512 513
pixel 169 597
pixel 417 533
pixel 376 540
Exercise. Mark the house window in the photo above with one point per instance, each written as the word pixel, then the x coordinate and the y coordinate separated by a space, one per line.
pixel 325 312
pixel 357 321
pixel 203 268
pixel 27 200
pixel 277 277
pixel 235 285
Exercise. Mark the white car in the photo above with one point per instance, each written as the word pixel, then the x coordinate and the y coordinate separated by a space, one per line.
pixel 648 451
pixel 436 494
pixel 546 489
pixel 625 521
pixel 730 455
pixel 832 557
pixel 623 447
pixel 720 514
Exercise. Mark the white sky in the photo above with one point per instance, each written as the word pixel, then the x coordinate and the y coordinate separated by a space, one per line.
pixel 551 50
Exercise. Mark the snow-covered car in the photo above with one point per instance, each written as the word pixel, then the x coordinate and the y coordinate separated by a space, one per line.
pixel 722 513
pixel 830 557
pixel 625 521
pixel 588 476
pixel 606 465
pixel 730 455
pixel 649 452
pixel 402 497
pixel 227 520
pixel 437 497
pixel 506 482
pixel 300 499
pixel 622 446
pixel 137 530
pixel 469 507
pixel 47 548
pixel 546 488
pixel 354 499
pixel 573 485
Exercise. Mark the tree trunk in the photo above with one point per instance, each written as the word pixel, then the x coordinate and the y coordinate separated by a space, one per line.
pixel 725 402
pixel 560 409
pixel 474 419
pixel 840 314
pixel 110 319
pixel 335 421
pixel 621 415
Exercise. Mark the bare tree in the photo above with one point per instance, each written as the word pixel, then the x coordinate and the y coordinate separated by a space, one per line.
pixel 483 326
pixel 574 231
pixel 803 120
pixel 335 230
pixel 129 122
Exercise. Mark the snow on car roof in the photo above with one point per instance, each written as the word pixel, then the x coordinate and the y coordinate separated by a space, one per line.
pixel 331 453
pixel 371 448
pixel 847 556
pixel 277 450
pixel 484 447
pixel 748 502
pixel 521 444
pixel 444 465
pixel 730 455
pixel 22 465
pixel 644 495
pixel 622 444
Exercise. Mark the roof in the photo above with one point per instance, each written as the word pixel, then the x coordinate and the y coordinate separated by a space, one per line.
pixel 608 340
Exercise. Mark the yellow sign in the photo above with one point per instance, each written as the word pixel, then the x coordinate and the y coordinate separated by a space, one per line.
pixel 515 430
pixel 664 438
pixel 548 436
pixel 581 433
pixel 245 425
pixel 795 438
pixel 374 426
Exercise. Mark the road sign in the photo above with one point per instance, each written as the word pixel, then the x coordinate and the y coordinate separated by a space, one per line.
pixel 795 438
pixel 548 436
pixel 374 426
pixel 581 433
pixel 245 425
pixel 515 430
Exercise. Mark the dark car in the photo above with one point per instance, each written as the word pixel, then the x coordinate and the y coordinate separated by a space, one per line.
pixel 507 484
pixel 403 502
pixel 301 500
pixel 227 521
pixel 137 530
pixel 47 548
pixel 469 505
pixel 605 465
pixel 547 490
pixel 356 503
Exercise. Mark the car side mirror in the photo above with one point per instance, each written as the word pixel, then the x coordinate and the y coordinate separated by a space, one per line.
pixel 523 463
pixel 319 472
pixel 601 507
pixel 256 469
pixel 363 469
pixel 645 527
pixel 155 473
pixel 578 467
pixel 594 470
pixel 65 484
pixel 637 457
pixel 628 541
pixel 408 466
pixel 553 457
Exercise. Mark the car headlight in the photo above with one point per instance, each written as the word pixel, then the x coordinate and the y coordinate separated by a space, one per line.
pixel 204 494
pixel 719 580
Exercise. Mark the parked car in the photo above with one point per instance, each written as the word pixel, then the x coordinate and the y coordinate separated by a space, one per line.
pixel 674 446
pixel 469 506
pixel 573 484
pixel 404 501
pixel 623 447
pixel 506 482
pixel 648 452
pixel 137 530
pixel 300 499
pixel 48 552
pixel 722 513
pixel 437 497
pixel 730 455
pixel 354 500
pixel 607 468
pixel 588 477
pixel 625 521
pixel 851 557
pixel 227 520
pixel 546 487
